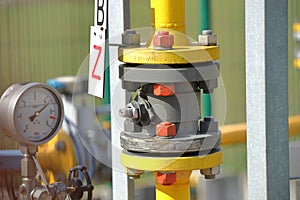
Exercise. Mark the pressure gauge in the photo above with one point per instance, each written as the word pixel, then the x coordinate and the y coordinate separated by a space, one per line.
pixel 31 113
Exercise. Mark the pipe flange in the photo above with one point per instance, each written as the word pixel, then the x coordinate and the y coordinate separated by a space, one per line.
pixel 142 142
pixel 149 73
pixel 177 55
pixel 152 162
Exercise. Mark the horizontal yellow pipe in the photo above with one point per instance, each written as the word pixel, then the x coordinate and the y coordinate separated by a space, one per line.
pixel 236 133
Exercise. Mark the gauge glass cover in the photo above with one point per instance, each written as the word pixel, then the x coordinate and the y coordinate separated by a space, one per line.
pixel 37 114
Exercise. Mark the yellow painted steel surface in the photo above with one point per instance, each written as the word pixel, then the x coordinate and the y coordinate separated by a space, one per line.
pixel 168 14
pixel 180 190
pixel 297 63
pixel 171 163
pixel 236 133
pixel 296 27
pixel 178 55
pixel 56 161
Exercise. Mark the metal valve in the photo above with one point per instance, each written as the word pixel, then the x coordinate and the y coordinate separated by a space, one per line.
pixel 76 183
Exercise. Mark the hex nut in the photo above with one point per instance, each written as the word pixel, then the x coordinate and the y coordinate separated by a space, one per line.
pixel 131 126
pixel 208 124
pixel 207 38
pixel 210 173
pixel 41 194
pixel 134 173
pixel 163 40
pixel 166 129
pixel 130 38
pixel 126 112
pixel 163 90
pixel 166 178
pixel 208 86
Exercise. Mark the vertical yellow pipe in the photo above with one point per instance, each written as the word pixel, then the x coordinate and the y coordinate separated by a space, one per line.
pixel 180 190
pixel 170 15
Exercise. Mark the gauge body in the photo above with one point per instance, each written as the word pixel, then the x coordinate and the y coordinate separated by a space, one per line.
pixel 31 113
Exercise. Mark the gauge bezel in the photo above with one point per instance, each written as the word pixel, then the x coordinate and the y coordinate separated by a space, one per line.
pixel 10 100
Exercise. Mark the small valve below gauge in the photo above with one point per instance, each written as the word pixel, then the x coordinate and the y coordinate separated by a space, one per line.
pixel 77 184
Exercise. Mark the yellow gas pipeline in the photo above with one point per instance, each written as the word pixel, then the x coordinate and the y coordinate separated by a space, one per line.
pixel 57 157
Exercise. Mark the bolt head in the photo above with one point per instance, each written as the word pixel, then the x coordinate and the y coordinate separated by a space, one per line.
pixel 134 173
pixel 166 178
pixel 126 112
pixel 207 38
pixel 131 38
pixel 206 32
pixel 163 90
pixel 166 129
pixel 41 193
pixel 131 126
pixel 210 173
pixel 163 40
pixel 208 124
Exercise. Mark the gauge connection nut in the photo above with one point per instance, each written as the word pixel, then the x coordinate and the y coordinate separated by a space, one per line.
pixel 166 129
pixel 163 40
pixel 166 178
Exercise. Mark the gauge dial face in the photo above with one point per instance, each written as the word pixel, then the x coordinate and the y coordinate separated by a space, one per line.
pixel 37 114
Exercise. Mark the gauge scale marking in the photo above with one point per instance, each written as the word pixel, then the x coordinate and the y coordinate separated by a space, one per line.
pixel 36 114
pixel 35 111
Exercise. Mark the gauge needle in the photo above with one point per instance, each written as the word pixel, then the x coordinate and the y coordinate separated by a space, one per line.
pixel 31 118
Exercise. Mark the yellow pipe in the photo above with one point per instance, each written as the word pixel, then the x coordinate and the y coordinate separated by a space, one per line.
pixel 236 133
pixel 57 157
pixel 297 63
pixel 180 190
pixel 168 14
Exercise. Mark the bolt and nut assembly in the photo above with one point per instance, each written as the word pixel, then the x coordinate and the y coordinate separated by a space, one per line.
pixel 130 38
pixel 207 38
pixel 163 40
pixel 134 173
pixel 166 178
pixel 166 129
pixel 210 173
pixel 163 90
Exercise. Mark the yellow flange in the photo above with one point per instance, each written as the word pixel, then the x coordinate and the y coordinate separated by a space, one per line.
pixel 178 55
pixel 134 161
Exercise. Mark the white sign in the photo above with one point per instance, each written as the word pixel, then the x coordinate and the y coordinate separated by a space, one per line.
pixel 97 50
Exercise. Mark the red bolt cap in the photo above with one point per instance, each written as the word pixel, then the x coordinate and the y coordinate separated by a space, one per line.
pixel 166 129
pixel 163 40
pixel 166 179
pixel 163 90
